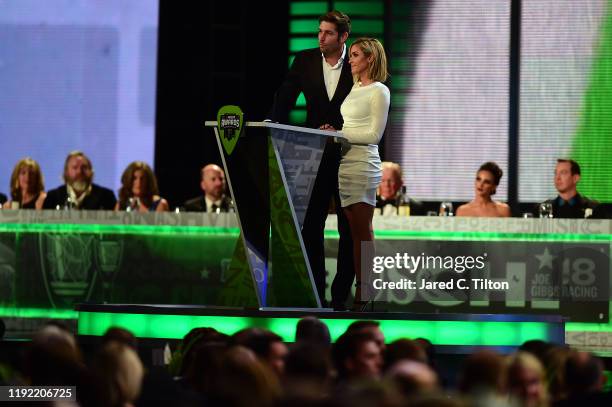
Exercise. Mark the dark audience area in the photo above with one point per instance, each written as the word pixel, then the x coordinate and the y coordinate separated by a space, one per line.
pixel 255 367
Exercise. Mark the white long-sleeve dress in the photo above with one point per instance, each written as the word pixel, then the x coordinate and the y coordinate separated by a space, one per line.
pixel 365 112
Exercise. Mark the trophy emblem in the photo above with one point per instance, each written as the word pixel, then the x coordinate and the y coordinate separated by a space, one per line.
pixel 66 265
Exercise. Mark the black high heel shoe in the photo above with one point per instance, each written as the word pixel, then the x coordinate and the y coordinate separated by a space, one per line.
pixel 358 304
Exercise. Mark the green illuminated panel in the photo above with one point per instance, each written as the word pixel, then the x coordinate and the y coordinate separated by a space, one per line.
pixel 587 327
pixel 482 236
pixel 118 229
pixel 366 8
pixel 303 26
pixel 291 58
pixel 369 27
pixel 304 8
pixel 462 333
pixel 299 44
pixel 51 313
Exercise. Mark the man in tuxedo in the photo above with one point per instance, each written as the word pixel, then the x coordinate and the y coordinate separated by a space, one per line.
pixel 79 191
pixel 214 199
pixel 323 74
pixel 569 203
pixel 389 193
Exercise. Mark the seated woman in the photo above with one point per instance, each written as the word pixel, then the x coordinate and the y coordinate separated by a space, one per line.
pixel 27 186
pixel 139 190
pixel 487 180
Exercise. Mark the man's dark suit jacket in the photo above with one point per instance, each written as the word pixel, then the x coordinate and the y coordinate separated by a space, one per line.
pixel 199 204
pixel 575 208
pixel 306 75
pixel 416 207
pixel 99 198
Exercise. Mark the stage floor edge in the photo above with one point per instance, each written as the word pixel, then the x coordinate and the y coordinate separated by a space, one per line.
pixel 459 331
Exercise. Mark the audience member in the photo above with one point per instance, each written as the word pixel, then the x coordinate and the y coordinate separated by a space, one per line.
pixel 120 335
pixel 79 191
pixel 569 203
pixel 214 198
pixel 308 371
pixel 484 376
pixel 27 186
pixel 243 381
pixel 268 347
pixel 389 194
pixel 357 356
pixel 554 362
pixel 584 380
pixel 371 327
pixel 527 380
pixel 404 349
pixel 487 179
pixel 413 378
pixel 139 190
pixel 54 359
pixel 313 331
pixel 119 373
pixel 182 357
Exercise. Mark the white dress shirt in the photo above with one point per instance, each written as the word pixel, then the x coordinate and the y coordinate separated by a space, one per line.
pixel 331 74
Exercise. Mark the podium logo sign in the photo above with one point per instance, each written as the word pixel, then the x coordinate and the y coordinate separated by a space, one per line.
pixel 229 123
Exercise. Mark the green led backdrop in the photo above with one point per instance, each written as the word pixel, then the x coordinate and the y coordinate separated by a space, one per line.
pixel 565 95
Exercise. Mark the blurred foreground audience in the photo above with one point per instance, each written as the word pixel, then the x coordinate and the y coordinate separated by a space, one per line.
pixel 254 367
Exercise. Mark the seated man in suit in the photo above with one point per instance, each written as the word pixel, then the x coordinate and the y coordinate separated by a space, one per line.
pixel 389 194
pixel 569 203
pixel 214 198
pixel 79 191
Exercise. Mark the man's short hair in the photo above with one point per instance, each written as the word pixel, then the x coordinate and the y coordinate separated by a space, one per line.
pixel 574 166
pixel 341 20
pixel 358 326
pixel 494 169
pixel 393 166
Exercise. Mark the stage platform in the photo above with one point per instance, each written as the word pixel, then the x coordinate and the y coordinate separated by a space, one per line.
pixel 451 333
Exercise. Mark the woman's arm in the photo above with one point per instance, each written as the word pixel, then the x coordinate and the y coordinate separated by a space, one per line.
pixel 379 105
pixel 162 206
pixel 41 199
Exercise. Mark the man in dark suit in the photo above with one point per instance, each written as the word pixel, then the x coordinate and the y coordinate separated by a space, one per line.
pixel 324 76
pixel 214 199
pixel 79 191
pixel 569 203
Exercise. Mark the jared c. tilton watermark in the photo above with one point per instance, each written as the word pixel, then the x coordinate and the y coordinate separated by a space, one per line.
pixel 411 264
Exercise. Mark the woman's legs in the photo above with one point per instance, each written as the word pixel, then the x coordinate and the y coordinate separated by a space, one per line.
pixel 359 216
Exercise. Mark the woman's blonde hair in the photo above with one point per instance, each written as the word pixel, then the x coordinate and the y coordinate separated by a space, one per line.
pixel 371 47
pixel 37 183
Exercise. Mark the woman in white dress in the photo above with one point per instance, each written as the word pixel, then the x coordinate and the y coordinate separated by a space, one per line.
pixel 365 112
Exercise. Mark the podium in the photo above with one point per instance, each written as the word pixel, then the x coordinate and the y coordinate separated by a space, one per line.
pixel 270 171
